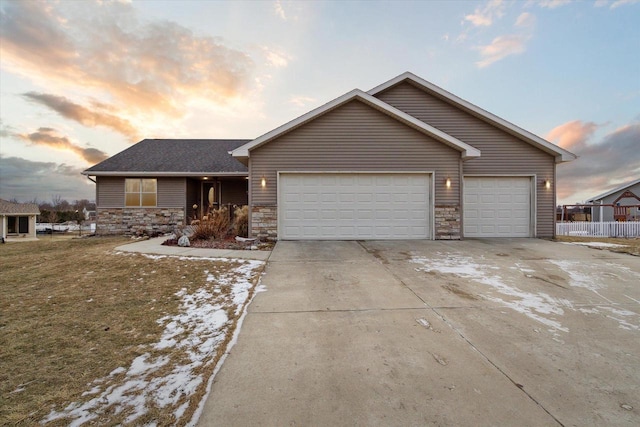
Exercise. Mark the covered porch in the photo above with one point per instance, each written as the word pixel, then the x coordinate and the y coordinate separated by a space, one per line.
pixel 206 194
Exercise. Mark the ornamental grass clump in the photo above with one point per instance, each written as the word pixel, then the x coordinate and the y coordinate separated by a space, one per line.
pixel 216 226
pixel 241 221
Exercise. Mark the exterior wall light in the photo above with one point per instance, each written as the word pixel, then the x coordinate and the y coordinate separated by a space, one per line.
pixel 547 184
pixel 447 182
pixel 263 182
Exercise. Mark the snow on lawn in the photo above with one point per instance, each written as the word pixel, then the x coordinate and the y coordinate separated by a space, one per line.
pixel 538 306
pixel 197 330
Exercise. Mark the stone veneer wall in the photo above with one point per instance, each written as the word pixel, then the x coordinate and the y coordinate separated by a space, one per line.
pixel 136 221
pixel 264 222
pixel 447 221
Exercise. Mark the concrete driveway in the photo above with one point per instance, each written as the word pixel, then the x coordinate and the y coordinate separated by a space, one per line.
pixel 480 332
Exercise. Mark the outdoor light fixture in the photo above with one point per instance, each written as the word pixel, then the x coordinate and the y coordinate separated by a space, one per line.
pixel 447 182
pixel 547 184
pixel 263 182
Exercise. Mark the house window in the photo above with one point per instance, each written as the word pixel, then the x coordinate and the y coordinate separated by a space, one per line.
pixel 140 192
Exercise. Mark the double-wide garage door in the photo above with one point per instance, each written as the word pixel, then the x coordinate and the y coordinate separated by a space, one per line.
pixel 351 206
pixel 497 207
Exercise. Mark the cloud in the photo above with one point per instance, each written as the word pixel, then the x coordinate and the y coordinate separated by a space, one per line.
pixel 551 4
pixel 525 20
pixel 572 135
pixel 484 16
pixel 23 179
pixel 70 110
pixel 301 101
pixel 500 48
pixel 144 67
pixel 510 44
pixel 276 58
pixel 49 137
pixel 279 10
pixel 612 161
pixel 615 4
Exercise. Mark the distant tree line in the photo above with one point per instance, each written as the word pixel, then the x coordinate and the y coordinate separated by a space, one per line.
pixel 61 210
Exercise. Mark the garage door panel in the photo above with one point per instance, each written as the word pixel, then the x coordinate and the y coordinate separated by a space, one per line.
pixel 497 206
pixel 354 206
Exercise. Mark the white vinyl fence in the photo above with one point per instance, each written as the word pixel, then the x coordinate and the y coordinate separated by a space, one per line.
pixel 599 229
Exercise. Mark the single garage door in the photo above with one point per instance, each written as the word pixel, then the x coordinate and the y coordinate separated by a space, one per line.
pixel 497 207
pixel 349 206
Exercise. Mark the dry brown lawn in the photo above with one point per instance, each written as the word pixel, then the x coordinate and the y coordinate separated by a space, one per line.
pixel 72 311
pixel 630 246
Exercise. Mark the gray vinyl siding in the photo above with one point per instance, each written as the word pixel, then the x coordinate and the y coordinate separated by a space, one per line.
pixel 501 152
pixel 172 192
pixel 354 137
pixel 110 192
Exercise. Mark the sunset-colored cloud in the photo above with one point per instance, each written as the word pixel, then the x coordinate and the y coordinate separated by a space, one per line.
pixel 485 16
pixel 551 4
pixel 279 10
pixel 145 67
pixel 276 57
pixel 613 160
pixel 500 48
pixel 616 4
pixel 49 137
pixel 510 44
pixel 572 135
pixel 70 110
pixel 301 101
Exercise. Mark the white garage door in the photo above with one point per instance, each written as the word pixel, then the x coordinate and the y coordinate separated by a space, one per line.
pixel 336 206
pixel 497 207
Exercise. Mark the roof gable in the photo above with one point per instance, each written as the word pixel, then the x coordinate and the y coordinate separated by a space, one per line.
pixel 615 190
pixel 356 94
pixel 174 157
pixel 560 154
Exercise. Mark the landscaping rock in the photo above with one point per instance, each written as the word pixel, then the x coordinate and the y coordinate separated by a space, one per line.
pixel 184 241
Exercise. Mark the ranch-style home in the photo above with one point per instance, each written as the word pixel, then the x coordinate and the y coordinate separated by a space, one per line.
pixel 405 160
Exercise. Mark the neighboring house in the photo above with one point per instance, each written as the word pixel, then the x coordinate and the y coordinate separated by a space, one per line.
pixel 155 184
pixel 406 160
pixel 625 200
pixel 88 215
pixel 18 219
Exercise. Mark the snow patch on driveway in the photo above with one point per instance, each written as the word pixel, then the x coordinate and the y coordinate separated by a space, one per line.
pixel 538 306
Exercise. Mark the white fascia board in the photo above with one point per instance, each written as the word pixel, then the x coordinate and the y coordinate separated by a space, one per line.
pixel 467 150
pixel 615 190
pixel 163 174
pixel 561 154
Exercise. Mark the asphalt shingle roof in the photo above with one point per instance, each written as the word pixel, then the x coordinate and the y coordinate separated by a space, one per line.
pixel 10 208
pixel 175 156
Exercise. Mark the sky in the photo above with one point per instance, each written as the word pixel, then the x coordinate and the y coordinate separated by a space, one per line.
pixel 83 80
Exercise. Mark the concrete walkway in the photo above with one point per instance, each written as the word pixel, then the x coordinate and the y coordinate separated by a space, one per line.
pixel 154 246
pixel 357 334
